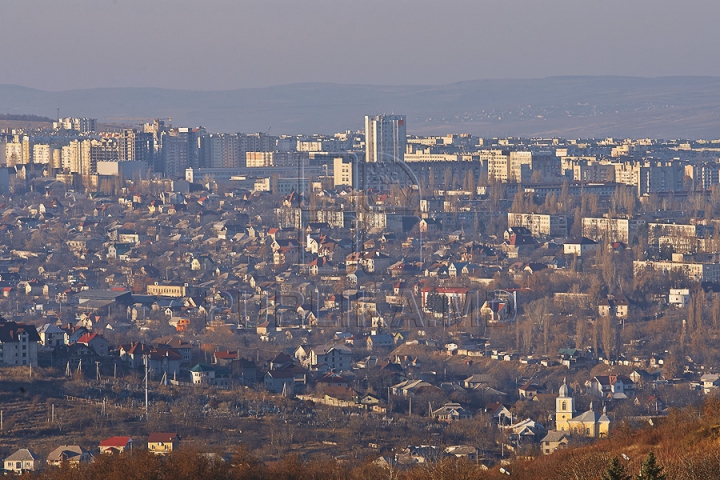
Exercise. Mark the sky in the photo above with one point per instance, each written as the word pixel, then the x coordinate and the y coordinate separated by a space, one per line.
pixel 224 44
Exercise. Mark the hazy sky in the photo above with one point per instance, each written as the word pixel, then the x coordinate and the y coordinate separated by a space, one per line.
pixel 222 44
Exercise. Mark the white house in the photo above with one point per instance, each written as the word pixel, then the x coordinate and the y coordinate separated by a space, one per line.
pixel 580 247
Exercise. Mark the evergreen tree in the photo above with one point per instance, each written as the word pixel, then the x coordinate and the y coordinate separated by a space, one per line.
pixel 650 469
pixel 615 471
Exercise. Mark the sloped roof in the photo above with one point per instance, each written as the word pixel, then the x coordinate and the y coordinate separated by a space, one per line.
pixel 116 442
pixel 9 331
pixel 163 437
pixel 66 452
pixel 23 455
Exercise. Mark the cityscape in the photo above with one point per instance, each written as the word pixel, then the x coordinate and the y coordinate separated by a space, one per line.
pixel 511 296
pixel 403 240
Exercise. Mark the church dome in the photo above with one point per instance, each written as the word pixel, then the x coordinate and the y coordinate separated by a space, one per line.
pixel 564 389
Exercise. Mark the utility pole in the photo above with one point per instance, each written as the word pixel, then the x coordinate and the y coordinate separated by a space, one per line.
pixel 146 385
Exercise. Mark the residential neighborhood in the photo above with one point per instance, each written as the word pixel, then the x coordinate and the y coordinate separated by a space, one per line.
pixel 544 309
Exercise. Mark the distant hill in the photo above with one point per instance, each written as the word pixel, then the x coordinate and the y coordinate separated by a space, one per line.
pixel 573 107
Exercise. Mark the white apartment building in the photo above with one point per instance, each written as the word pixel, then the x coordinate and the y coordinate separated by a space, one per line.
pixel 615 229
pixel 275 159
pixel 696 271
pixel 82 125
pixel 504 166
pixel 385 138
pixel 14 153
pixel 540 224
pixel 42 153
pixel 76 157
pixel 497 162
pixel 342 172
pixel 650 177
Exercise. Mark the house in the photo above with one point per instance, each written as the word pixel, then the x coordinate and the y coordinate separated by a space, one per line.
pixel 73 333
pixel 132 354
pixel 71 454
pixel 614 306
pixel 281 361
pixel 164 360
pixel 76 355
pixel 116 445
pixel 463 451
pixel 336 357
pixel 95 341
pixel 51 335
pixel 18 343
pixel 333 379
pixel 580 247
pixel 611 386
pixel 430 225
pixel 526 430
pixel 163 443
pixel 378 341
pixel 224 358
pixel 640 377
pixel 285 380
pixel 554 441
pixel 450 412
pixel 652 403
pixel 530 390
pixel 679 297
pixel 571 357
pixel 184 348
pixel 710 381
pixel 202 374
pixel 409 388
pixel 477 380
pixel 23 460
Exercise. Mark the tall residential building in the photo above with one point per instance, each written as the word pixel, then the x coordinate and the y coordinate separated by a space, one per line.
pixel 540 224
pixel 76 157
pixel 180 149
pixel 497 162
pixel 651 176
pixel 703 176
pixel 385 138
pixel 42 153
pixel 126 144
pixel 146 149
pixel 342 172
pixel 14 153
pixel 614 229
pixel 276 159
pixel 82 125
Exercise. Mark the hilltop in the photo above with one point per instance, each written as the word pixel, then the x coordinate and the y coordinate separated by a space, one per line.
pixel 572 107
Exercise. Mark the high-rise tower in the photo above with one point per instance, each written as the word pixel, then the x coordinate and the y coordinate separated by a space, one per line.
pixel 385 138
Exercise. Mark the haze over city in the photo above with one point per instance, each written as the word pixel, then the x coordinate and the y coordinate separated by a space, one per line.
pixel 222 45
pixel 381 239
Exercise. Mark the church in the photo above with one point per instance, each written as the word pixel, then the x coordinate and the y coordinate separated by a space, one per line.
pixel 587 424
